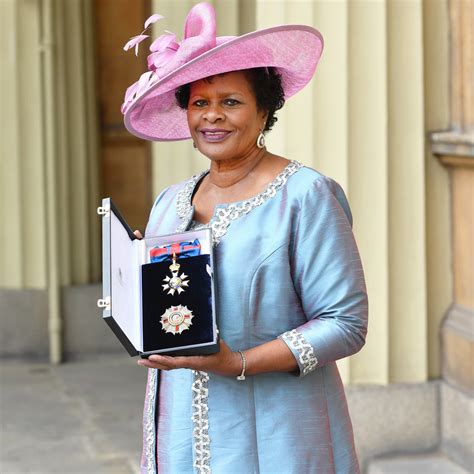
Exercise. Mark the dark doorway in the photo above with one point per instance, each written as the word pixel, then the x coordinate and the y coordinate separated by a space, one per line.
pixel 125 160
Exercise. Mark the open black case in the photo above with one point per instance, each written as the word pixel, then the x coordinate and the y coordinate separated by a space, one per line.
pixel 138 302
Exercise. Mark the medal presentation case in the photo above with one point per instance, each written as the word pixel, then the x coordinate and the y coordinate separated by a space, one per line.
pixel 158 292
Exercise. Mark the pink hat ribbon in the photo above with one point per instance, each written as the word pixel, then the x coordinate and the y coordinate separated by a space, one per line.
pixel 167 54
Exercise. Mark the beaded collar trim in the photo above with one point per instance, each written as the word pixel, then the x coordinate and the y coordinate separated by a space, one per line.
pixel 225 214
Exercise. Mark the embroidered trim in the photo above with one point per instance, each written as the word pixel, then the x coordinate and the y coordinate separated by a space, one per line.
pixel 197 225
pixel 149 428
pixel 221 221
pixel 183 202
pixel 306 357
pixel 200 420
pixel 182 227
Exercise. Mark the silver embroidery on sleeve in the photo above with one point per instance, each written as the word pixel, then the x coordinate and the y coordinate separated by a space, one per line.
pixel 200 420
pixel 149 428
pixel 306 357
pixel 227 213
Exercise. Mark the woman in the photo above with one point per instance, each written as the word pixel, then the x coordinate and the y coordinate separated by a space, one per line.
pixel 291 294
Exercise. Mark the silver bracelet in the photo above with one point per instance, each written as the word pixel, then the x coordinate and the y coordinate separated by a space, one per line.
pixel 244 366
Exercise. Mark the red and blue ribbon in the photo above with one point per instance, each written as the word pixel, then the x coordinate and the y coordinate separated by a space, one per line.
pixel 181 249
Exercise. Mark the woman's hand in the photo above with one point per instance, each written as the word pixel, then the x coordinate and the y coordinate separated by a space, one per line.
pixel 225 362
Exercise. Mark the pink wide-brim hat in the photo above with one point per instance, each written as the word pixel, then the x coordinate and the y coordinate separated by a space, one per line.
pixel 150 107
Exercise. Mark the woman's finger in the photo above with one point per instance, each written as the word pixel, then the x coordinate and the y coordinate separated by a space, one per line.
pixel 138 234
pixel 167 361
pixel 156 361
pixel 152 365
pixel 161 362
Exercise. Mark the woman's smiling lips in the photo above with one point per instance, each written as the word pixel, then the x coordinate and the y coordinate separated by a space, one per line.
pixel 214 134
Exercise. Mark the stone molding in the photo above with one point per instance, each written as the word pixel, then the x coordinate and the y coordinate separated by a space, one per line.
pixel 457 343
pixel 451 145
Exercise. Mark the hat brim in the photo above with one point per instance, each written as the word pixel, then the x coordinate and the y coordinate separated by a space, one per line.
pixel 294 50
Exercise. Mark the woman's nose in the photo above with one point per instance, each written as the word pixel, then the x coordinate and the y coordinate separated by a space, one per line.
pixel 213 113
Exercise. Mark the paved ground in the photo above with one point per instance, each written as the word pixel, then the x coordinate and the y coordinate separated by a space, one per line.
pixel 84 417
pixel 434 463
pixel 80 417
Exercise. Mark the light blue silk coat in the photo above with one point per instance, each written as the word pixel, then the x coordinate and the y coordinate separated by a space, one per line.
pixel 287 266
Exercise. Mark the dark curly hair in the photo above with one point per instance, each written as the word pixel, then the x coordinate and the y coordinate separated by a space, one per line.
pixel 266 85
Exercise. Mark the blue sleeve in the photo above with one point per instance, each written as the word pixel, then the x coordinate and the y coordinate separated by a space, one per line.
pixel 153 213
pixel 328 276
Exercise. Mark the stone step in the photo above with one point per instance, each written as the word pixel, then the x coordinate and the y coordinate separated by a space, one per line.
pixel 435 463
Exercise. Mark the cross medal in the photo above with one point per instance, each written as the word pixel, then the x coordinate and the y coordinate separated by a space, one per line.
pixel 176 282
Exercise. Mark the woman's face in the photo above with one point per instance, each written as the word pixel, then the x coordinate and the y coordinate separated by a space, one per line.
pixel 223 117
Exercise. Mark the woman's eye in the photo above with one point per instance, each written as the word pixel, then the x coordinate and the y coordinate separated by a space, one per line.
pixel 199 103
pixel 231 102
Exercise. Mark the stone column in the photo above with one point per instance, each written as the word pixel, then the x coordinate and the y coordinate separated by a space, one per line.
pixel 48 169
pixel 455 150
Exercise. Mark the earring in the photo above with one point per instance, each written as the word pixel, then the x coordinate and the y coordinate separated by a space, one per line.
pixel 194 146
pixel 261 140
